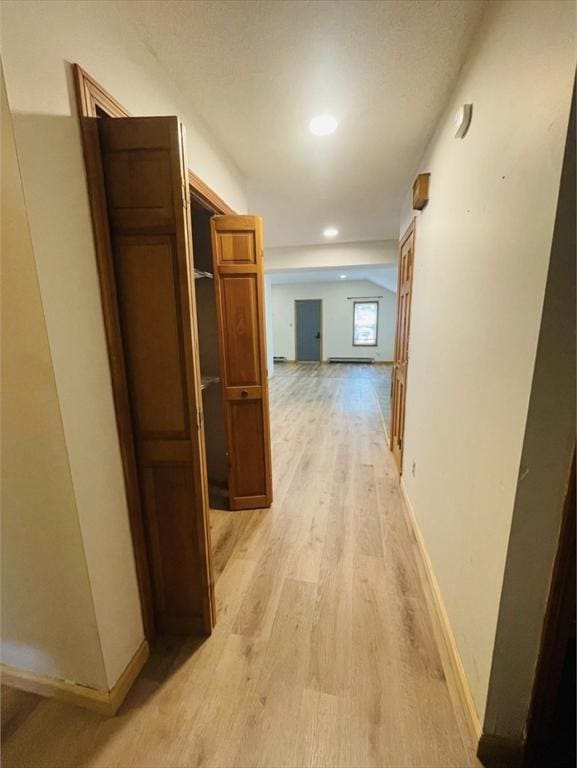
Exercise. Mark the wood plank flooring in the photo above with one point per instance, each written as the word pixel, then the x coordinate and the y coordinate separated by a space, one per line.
pixel 325 652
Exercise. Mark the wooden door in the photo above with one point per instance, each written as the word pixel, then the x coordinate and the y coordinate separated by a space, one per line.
pixel 404 292
pixel 237 250
pixel 147 206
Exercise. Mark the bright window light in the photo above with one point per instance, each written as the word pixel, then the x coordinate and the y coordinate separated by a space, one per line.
pixel 365 323
pixel 330 232
pixel 322 125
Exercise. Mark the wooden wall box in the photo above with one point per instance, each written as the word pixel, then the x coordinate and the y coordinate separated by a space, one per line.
pixel 421 191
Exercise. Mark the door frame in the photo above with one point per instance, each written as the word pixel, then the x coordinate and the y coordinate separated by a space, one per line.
pixel 296 331
pixel 411 230
pixel 92 101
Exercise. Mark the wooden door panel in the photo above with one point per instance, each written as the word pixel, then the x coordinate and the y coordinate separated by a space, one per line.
pixel 171 527
pixel 148 303
pixel 404 294
pixel 239 281
pixel 240 329
pixel 238 248
pixel 139 189
pixel 246 430
pixel 147 201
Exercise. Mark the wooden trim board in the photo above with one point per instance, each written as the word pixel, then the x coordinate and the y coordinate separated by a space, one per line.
pixel 207 197
pixel 451 658
pixel 103 702
pixel 91 95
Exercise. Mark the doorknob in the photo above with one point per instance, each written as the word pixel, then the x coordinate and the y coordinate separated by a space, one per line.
pixel 244 393
pixel 317 335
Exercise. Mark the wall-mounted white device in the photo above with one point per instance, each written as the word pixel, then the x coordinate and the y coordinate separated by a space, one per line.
pixel 462 120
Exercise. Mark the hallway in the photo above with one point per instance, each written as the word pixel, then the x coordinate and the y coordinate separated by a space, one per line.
pixel 324 652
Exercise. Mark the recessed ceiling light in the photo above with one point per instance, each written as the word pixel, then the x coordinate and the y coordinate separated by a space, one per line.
pixel 322 125
pixel 330 232
pixel 343 277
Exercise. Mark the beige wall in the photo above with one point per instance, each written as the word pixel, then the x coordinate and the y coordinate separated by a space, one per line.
pixel 48 621
pixel 39 40
pixel 337 318
pixel 369 253
pixel 482 252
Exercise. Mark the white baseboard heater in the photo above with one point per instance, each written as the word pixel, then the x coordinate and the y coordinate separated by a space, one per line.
pixel 279 359
pixel 351 360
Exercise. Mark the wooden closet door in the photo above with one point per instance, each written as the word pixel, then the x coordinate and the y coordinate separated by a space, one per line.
pixel 237 249
pixel 404 294
pixel 147 204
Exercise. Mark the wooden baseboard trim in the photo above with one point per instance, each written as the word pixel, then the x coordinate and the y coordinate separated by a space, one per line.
pixel 452 653
pixel 499 752
pixel 126 680
pixel 103 702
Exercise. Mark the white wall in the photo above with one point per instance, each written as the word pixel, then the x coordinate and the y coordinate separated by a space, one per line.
pixel 48 620
pixel 39 40
pixel 337 318
pixel 481 257
pixel 369 253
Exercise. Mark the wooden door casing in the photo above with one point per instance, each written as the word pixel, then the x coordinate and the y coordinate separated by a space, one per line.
pixel 404 295
pixel 147 203
pixel 93 103
pixel 237 248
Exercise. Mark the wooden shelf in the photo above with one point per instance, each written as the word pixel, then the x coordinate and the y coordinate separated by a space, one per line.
pixel 206 381
pixel 199 273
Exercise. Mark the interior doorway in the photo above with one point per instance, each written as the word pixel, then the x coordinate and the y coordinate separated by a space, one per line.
pixel 210 370
pixel 308 330
pixel 182 289
pixel 401 364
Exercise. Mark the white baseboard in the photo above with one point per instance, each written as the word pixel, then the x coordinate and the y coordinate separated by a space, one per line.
pixel 101 701
pixel 452 652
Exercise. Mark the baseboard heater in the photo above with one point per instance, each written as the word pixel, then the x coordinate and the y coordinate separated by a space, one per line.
pixel 365 360
pixel 279 359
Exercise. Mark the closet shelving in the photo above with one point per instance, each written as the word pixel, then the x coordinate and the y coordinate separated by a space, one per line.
pixel 209 358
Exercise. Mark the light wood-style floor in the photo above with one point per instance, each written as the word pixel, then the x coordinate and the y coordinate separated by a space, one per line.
pixel 325 652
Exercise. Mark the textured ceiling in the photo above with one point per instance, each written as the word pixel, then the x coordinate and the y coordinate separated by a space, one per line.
pixel 257 72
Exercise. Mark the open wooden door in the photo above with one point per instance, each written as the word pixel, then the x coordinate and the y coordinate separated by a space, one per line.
pixel 237 250
pixel 150 241
pixel 404 293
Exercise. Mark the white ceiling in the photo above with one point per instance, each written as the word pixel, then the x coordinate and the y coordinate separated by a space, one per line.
pixel 258 71
pixel 385 277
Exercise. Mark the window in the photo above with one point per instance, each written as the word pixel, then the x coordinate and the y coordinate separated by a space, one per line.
pixel 365 321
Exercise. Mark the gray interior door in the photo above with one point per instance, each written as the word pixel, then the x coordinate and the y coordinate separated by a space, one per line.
pixel 308 336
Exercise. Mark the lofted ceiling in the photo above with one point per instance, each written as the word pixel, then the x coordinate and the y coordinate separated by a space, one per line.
pixel 257 71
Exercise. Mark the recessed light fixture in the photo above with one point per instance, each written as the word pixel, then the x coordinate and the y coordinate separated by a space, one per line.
pixel 343 277
pixel 322 125
pixel 330 232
